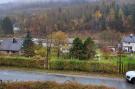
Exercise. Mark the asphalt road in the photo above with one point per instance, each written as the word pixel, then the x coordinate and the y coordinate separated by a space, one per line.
pixel 15 75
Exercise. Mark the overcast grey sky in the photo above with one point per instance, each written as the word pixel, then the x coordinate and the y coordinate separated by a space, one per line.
pixel 5 1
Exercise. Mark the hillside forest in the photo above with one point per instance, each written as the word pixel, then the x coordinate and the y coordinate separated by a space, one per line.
pixel 83 18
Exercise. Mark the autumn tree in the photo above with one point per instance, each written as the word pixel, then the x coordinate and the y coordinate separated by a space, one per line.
pixel 60 39
pixel 89 48
pixel 110 37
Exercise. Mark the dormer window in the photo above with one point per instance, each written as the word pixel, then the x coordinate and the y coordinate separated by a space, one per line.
pixel 14 40
pixel 131 35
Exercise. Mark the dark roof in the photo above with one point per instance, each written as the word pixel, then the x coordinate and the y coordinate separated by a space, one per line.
pixel 129 39
pixel 9 45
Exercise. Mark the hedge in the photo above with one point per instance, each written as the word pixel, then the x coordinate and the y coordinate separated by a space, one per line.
pixel 21 62
pixel 86 66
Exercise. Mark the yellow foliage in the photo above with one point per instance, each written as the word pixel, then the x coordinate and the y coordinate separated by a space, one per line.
pixel 98 14
pixel 41 52
pixel 60 36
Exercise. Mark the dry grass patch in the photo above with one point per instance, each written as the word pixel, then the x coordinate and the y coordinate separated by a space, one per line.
pixel 50 85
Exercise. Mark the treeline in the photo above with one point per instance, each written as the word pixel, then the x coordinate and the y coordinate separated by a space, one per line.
pixel 94 17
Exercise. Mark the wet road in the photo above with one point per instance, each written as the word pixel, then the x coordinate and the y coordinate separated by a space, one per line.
pixel 13 75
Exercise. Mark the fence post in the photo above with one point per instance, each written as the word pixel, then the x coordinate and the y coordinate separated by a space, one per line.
pixel 118 66
pixel 123 68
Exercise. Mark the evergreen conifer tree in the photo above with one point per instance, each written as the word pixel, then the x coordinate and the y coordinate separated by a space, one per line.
pixel 28 45
pixel 76 50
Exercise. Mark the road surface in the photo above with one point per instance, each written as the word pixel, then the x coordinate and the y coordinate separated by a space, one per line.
pixel 15 75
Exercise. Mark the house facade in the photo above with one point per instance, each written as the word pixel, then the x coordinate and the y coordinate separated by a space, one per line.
pixel 128 43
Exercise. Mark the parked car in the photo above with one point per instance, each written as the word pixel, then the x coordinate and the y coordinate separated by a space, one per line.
pixel 130 76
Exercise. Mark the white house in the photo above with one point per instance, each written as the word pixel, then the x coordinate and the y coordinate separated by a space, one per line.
pixel 16 28
pixel 128 43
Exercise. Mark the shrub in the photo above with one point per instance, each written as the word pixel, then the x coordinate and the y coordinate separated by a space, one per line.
pixel 131 66
pixel 21 62
pixel 86 66
pixel 40 51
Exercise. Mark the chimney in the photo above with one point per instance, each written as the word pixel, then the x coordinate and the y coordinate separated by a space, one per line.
pixel 14 40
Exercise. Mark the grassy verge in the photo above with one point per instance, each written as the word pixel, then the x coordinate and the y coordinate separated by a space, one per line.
pixel 21 62
pixel 49 85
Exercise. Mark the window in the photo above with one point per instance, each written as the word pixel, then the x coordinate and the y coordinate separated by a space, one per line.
pixel 131 48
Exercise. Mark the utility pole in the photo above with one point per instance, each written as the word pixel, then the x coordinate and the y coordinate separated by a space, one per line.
pixel 120 59
pixel 48 49
pixel 46 64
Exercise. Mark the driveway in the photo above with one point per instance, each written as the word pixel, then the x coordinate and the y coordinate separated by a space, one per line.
pixel 15 75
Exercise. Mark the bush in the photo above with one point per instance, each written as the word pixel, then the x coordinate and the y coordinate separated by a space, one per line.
pixel 21 62
pixel 86 66
pixel 131 66
pixel 50 85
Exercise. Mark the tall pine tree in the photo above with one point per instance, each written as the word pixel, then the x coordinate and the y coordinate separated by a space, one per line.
pixel 28 45
pixel 76 50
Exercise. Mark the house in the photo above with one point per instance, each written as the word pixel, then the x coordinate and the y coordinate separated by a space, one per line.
pixel 16 28
pixel 44 42
pixel 51 42
pixel 67 46
pixel 11 45
pixel 14 45
pixel 128 43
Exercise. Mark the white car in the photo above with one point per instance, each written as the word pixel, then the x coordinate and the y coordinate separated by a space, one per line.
pixel 130 76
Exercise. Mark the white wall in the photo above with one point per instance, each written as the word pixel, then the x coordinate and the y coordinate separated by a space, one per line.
pixel 126 45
